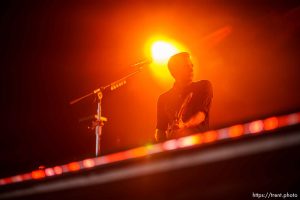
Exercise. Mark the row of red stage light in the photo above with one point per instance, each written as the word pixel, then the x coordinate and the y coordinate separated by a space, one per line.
pixel 236 131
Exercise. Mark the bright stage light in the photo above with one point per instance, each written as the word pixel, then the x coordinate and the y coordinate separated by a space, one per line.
pixel 162 51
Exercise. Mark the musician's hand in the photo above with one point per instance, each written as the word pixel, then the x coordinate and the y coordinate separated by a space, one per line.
pixel 181 125
pixel 179 129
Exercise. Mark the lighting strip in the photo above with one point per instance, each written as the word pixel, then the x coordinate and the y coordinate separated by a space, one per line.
pixel 236 131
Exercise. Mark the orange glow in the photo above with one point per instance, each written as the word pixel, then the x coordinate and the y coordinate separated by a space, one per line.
pixel 88 163
pixel 256 126
pixel 49 172
pixel 170 145
pixel 38 174
pixel 117 156
pixel 138 152
pixel 210 136
pixel 26 176
pixel 149 146
pixel 58 170
pixel 293 118
pixel 17 178
pixel 74 166
pixel 153 148
pixel 271 123
pixel 101 160
pixel 190 140
pixel 236 131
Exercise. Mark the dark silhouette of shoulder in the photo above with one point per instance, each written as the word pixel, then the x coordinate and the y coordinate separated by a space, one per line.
pixel 204 86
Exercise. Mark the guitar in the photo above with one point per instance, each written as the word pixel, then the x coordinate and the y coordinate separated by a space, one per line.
pixel 175 128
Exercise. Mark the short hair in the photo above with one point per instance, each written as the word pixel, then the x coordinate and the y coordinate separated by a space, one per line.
pixel 176 60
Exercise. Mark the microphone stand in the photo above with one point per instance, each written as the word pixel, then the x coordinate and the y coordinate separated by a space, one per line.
pixel 98 123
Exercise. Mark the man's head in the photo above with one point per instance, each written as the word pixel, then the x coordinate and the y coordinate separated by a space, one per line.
pixel 181 67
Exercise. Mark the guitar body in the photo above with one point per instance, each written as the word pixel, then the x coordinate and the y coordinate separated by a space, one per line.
pixel 176 132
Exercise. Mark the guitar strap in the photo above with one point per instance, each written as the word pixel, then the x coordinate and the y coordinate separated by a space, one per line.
pixel 184 106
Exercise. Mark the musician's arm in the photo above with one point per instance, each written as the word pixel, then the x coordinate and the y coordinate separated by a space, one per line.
pixel 195 120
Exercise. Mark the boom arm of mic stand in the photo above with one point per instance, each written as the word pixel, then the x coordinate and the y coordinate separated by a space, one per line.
pixel 80 98
pixel 112 86
pixel 122 81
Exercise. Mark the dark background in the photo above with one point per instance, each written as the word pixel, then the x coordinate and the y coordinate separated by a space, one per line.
pixel 54 51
